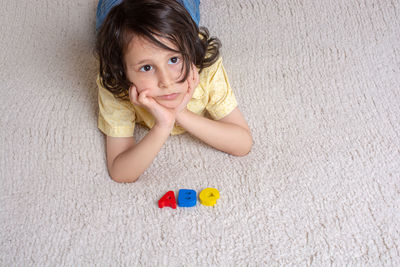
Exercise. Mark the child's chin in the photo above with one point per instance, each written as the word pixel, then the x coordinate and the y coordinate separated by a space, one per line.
pixel 168 104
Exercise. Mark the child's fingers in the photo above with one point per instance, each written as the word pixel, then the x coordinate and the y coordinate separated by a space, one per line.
pixel 192 84
pixel 141 100
pixel 142 97
pixel 153 107
pixel 133 95
pixel 196 74
pixel 145 100
pixel 194 79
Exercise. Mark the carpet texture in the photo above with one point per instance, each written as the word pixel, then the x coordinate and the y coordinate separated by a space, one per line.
pixel 317 80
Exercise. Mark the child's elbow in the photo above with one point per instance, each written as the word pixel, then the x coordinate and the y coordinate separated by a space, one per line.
pixel 242 153
pixel 244 148
pixel 122 179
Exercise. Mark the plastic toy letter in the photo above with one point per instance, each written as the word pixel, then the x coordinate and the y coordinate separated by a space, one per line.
pixel 168 200
pixel 187 198
pixel 209 196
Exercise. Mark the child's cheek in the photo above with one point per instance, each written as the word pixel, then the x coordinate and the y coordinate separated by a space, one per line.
pixel 142 86
pixel 139 81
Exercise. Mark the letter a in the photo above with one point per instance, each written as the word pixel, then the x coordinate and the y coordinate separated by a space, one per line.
pixel 168 200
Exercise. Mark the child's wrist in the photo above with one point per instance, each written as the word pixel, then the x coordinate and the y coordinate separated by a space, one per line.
pixel 167 128
pixel 180 115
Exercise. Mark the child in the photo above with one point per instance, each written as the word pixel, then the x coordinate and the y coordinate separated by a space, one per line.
pixel 159 69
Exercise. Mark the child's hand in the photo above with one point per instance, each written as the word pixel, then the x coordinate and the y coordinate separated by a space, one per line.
pixel 193 82
pixel 164 117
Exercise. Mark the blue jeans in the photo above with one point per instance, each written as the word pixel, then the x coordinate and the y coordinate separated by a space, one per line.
pixel 104 6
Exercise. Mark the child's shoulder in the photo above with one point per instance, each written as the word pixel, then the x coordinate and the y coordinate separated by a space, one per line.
pixel 211 70
pixel 214 76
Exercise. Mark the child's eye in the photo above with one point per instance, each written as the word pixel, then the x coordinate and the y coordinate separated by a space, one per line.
pixel 173 60
pixel 146 68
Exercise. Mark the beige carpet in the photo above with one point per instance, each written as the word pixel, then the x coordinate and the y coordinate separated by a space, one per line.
pixel 318 81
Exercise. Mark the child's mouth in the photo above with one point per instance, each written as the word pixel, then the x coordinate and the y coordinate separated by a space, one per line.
pixel 170 96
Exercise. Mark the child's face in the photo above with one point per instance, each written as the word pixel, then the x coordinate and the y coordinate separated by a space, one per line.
pixel 157 70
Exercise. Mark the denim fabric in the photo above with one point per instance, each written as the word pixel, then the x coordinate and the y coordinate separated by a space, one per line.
pixel 104 6
pixel 193 6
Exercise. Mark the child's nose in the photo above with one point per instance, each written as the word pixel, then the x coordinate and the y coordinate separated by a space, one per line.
pixel 165 79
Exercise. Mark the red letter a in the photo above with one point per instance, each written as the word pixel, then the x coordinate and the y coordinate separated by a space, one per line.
pixel 168 200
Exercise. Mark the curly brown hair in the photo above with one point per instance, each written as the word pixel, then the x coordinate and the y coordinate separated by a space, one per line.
pixel 150 19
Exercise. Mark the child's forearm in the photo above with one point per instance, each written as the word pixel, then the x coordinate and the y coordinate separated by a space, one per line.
pixel 129 165
pixel 227 137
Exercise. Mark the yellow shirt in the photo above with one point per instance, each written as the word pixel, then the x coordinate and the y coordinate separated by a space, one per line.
pixel 214 95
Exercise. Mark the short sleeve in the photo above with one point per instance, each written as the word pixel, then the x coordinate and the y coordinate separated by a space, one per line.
pixel 222 100
pixel 116 116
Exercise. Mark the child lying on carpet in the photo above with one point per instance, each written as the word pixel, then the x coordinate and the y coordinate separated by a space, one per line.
pixel 158 68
